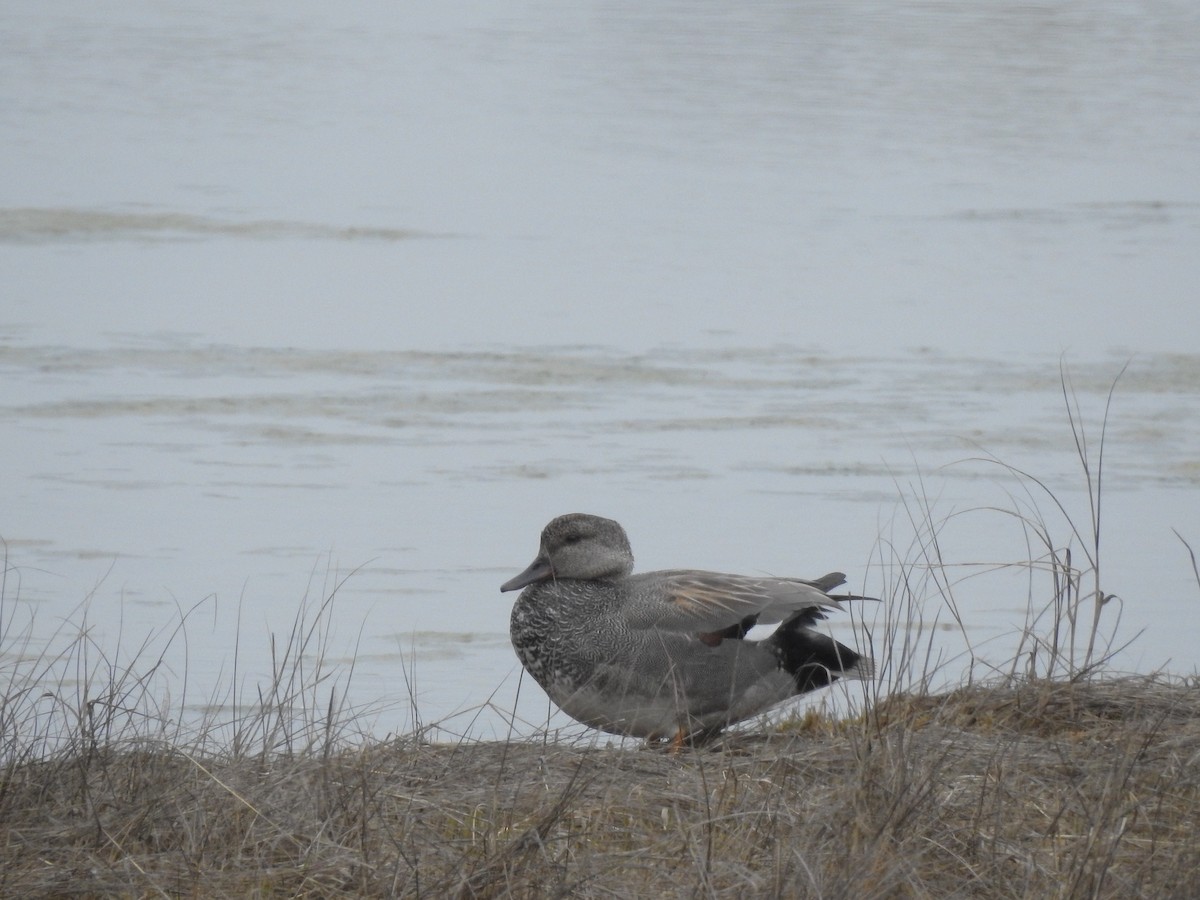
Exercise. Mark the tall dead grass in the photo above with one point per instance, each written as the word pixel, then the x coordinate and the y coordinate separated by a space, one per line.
pixel 1043 775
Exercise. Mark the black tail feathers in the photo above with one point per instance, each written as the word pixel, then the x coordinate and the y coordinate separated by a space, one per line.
pixel 815 660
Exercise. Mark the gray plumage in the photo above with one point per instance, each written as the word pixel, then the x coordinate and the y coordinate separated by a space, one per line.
pixel 663 654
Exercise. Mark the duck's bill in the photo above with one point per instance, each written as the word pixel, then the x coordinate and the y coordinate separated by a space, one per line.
pixel 538 569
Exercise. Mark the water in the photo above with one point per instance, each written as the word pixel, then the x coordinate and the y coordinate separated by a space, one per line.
pixel 301 296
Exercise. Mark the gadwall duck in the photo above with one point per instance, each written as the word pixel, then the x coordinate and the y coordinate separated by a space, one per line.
pixel 663 655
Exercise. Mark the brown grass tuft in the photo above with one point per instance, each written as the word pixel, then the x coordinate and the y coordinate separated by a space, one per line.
pixel 1021 790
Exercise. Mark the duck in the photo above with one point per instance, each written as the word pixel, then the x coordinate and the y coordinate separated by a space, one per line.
pixel 665 655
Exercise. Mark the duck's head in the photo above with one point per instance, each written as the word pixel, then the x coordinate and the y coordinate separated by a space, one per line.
pixel 578 546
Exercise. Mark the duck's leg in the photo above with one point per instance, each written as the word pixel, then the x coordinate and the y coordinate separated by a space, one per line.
pixel 678 742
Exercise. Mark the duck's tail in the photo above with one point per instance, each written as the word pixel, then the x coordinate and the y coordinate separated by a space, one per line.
pixel 815 660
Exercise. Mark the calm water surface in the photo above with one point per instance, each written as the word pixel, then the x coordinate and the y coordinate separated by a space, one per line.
pixel 307 297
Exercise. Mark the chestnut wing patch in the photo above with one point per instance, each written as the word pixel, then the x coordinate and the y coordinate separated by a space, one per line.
pixel 732 633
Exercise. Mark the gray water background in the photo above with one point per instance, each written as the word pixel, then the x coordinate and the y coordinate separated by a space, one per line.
pixel 299 295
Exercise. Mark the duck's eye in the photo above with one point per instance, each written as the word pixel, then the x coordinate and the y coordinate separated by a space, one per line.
pixel 573 539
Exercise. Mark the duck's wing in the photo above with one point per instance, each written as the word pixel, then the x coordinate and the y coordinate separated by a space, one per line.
pixel 715 605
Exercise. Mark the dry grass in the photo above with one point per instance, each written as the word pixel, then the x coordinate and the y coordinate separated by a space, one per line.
pixel 1034 789
pixel 1046 778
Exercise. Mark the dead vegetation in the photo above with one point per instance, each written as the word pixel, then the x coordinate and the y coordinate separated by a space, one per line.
pixel 1035 789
